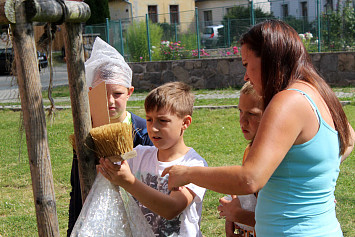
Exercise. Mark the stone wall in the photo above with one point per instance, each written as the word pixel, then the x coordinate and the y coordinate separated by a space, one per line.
pixel 338 69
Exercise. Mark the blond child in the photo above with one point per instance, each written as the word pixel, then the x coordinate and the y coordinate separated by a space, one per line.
pixel 170 213
pixel 251 108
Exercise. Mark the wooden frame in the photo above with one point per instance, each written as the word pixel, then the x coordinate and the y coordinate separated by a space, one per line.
pixel 21 14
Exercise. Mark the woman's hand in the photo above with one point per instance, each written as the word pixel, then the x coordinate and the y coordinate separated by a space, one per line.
pixel 177 176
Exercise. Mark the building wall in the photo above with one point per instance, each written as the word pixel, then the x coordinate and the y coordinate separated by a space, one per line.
pixel 140 8
pixel 263 5
pixel 218 8
pixel 294 8
pixel 119 10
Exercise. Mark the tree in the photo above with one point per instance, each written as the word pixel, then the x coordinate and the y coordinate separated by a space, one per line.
pixel 238 20
pixel 301 25
pixel 338 31
pixel 99 11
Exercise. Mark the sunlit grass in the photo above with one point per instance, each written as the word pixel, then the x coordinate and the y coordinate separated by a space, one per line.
pixel 214 134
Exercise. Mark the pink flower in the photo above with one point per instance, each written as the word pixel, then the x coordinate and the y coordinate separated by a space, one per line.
pixel 228 53
pixel 140 58
pixel 235 50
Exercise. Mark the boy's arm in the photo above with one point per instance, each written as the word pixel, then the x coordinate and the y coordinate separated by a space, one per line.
pixel 233 211
pixel 167 206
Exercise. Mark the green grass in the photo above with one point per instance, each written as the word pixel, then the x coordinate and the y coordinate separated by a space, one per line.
pixel 214 134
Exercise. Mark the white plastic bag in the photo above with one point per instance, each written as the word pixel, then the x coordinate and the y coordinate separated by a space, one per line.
pixel 110 211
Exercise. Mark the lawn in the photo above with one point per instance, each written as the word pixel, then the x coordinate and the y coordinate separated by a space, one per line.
pixel 214 134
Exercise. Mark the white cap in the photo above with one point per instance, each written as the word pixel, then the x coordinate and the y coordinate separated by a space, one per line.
pixel 104 54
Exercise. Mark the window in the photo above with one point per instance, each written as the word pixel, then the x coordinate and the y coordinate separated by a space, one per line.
pixel 304 10
pixel 174 14
pixel 229 10
pixel 153 13
pixel 208 18
pixel 285 10
pixel 328 5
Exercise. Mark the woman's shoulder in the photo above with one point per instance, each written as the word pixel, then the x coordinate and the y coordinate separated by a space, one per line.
pixel 286 101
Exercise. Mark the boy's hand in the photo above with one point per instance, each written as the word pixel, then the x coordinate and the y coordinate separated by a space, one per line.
pixel 229 208
pixel 117 174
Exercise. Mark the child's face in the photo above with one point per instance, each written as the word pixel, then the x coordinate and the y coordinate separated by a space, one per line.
pixel 250 115
pixel 117 97
pixel 165 129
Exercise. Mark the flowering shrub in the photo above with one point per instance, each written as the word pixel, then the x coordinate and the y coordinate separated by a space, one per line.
pixel 172 50
pixel 202 53
pixel 307 41
pixel 235 52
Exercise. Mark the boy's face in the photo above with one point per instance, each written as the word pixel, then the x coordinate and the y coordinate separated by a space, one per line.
pixel 165 129
pixel 250 115
pixel 117 97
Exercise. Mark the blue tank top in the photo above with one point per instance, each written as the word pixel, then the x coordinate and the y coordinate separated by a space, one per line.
pixel 298 199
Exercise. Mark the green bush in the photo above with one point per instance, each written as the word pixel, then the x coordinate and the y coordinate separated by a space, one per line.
pixel 338 29
pixel 137 41
pixel 188 40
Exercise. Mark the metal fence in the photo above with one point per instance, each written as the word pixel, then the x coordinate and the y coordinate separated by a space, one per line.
pixel 150 38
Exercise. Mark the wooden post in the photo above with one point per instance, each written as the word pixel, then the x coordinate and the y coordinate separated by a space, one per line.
pixel 80 106
pixel 3 19
pixel 78 12
pixel 74 13
pixel 35 123
pixel 21 13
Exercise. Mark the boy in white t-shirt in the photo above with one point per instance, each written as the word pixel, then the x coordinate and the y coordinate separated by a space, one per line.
pixel 170 213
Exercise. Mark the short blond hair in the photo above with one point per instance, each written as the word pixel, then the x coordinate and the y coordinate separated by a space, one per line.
pixel 176 97
pixel 248 89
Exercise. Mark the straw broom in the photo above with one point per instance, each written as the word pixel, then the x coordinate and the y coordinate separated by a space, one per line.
pixel 72 141
pixel 109 210
pixel 113 141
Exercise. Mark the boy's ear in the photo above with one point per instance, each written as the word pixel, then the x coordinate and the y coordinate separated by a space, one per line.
pixel 130 91
pixel 186 122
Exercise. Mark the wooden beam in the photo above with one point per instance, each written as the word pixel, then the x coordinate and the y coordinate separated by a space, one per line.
pixel 46 11
pixel 35 123
pixel 3 19
pixel 80 106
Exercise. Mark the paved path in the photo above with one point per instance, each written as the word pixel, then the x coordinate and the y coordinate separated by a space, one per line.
pixel 9 88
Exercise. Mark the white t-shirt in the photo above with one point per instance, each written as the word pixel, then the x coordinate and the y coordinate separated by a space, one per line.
pixel 148 169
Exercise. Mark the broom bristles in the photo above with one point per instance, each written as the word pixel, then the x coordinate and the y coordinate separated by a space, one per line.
pixel 112 139
pixel 72 140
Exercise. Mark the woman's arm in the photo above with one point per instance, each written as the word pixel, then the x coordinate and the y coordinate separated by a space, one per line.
pixel 282 125
pixel 350 148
